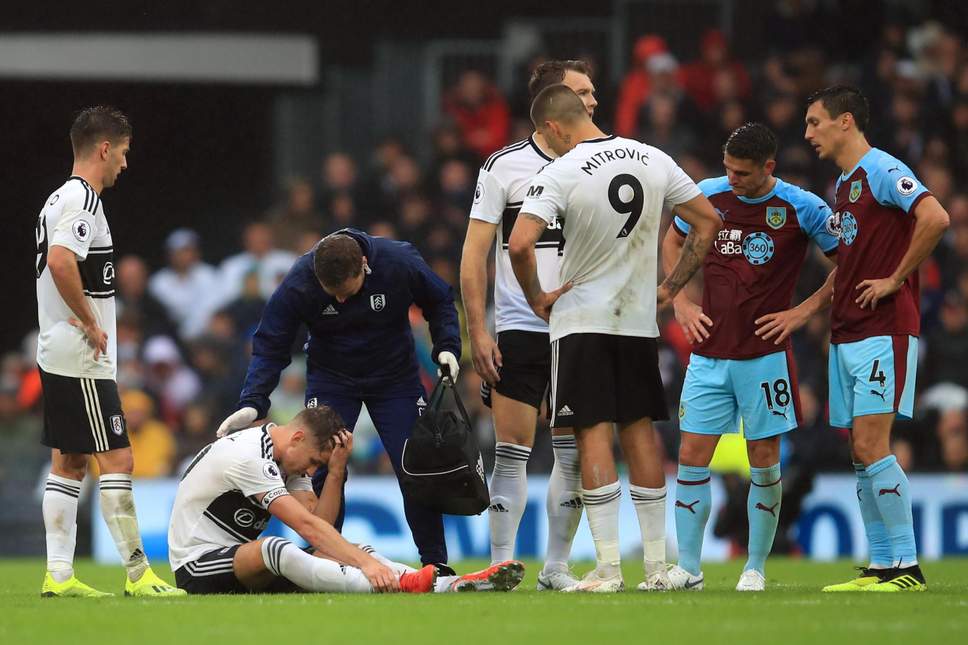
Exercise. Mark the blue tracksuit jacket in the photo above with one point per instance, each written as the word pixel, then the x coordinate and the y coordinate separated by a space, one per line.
pixel 365 342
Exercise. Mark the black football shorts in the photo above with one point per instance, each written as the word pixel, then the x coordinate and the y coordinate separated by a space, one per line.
pixel 82 415
pixel 601 377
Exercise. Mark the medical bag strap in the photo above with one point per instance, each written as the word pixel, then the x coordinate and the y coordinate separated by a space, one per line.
pixel 437 396
pixel 460 404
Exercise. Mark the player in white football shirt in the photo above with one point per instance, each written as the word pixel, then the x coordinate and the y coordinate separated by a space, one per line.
pixel 77 357
pixel 516 369
pixel 233 486
pixel 608 193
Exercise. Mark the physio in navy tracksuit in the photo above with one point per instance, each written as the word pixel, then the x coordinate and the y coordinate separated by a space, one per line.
pixel 353 291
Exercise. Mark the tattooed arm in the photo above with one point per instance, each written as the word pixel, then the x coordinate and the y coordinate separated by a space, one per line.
pixel 690 316
pixel 527 231
pixel 704 225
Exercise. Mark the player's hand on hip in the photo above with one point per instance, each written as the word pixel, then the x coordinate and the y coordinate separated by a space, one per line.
pixel 547 299
pixel 693 321
pixel 780 325
pixel 95 336
pixel 873 291
pixel 236 421
pixel 449 366
pixel 381 577
pixel 486 357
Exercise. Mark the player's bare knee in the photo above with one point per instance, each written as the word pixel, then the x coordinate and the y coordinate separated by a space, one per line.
pixel 763 453
pixel 514 421
pixel 69 465
pixel 694 450
pixel 515 434
pixel 116 462
pixel 869 447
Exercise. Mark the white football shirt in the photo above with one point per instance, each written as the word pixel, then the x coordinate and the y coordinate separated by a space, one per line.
pixel 501 187
pixel 73 217
pixel 608 193
pixel 215 506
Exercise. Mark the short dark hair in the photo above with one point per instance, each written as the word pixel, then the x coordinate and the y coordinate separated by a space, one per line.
pixel 838 99
pixel 557 103
pixel 336 259
pixel 98 123
pixel 552 72
pixel 752 141
pixel 322 422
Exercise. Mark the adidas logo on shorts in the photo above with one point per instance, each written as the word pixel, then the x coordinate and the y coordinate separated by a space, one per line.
pixel 565 411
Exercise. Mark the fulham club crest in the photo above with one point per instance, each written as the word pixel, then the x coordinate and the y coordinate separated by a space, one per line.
pixel 378 302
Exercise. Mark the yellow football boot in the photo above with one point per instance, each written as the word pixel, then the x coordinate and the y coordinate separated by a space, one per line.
pixel 149 585
pixel 70 588
pixel 866 578
pixel 906 579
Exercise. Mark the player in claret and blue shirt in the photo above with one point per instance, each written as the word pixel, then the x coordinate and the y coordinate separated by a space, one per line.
pixel 888 223
pixel 742 362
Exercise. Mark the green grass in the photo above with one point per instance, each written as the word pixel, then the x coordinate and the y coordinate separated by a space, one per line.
pixel 792 611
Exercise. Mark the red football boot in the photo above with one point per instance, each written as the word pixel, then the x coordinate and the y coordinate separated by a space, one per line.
pixel 421 581
pixel 503 576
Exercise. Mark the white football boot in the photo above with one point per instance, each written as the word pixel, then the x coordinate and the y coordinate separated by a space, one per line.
pixel 657 581
pixel 593 583
pixel 751 580
pixel 556 580
pixel 682 580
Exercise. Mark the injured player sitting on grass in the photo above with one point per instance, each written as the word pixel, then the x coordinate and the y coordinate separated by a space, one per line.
pixel 234 485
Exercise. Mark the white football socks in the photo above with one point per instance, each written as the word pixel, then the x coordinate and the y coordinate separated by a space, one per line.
pixel 601 505
pixel 397 567
pixel 286 560
pixel 650 508
pixel 509 496
pixel 60 524
pixel 117 509
pixel 563 504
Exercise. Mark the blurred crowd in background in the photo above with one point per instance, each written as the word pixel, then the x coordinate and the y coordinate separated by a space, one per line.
pixel 184 329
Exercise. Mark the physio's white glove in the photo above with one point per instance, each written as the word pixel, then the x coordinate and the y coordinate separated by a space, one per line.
pixel 236 421
pixel 450 361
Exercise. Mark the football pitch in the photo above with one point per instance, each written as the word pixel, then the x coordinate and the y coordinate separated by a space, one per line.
pixel 792 611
